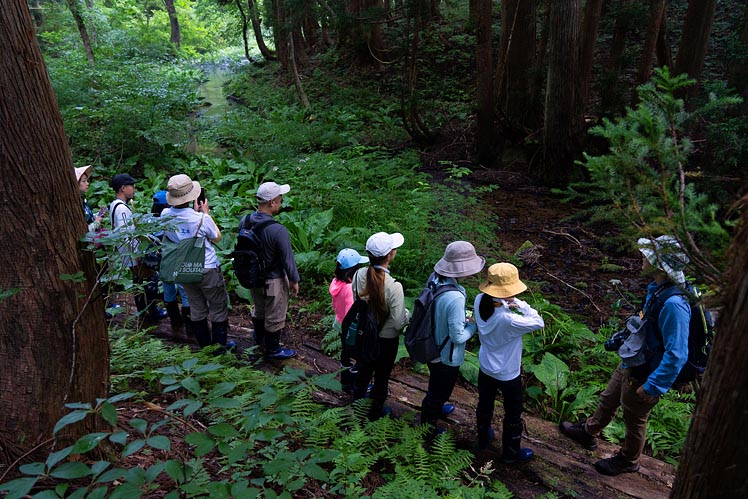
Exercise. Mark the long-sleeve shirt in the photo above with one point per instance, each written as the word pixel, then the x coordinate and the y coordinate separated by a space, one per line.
pixel 500 354
pixel 394 298
pixel 449 320
pixel 670 355
pixel 342 298
pixel 276 249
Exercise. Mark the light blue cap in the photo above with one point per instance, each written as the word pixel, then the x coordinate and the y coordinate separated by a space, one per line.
pixel 348 258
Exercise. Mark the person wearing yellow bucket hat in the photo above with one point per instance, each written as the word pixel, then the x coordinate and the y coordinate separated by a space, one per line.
pixel 502 320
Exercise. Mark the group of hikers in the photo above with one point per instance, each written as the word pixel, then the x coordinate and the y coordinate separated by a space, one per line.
pixel 500 319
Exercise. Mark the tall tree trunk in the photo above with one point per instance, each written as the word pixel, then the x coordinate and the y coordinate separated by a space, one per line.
pixel 74 7
pixel 592 12
pixel 693 44
pixel 716 448
pixel 516 63
pixel 656 11
pixel 612 94
pixel 255 18
pixel 563 115
pixel 295 71
pixel 176 35
pixel 245 27
pixel 53 345
pixel 486 131
pixel 664 53
pixel 473 13
pixel 739 65
pixel 540 74
pixel 280 31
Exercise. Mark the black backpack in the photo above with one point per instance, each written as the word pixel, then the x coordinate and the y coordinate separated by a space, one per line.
pixel 419 336
pixel 360 332
pixel 700 331
pixel 249 266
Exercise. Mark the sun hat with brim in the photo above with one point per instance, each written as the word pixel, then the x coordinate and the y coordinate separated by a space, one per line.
pixel 503 281
pixel 666 254
pixel 381 243
pixel 459 260
pixel 182 189
pixel 270 190
pixel 81 170
pixel 121 179
pixel 348 258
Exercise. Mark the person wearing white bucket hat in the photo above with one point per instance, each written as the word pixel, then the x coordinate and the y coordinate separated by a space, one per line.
pixel 208 299
pixel 385 296
pixel 452 328
pixel 83 176
pixel 502 320
pixel 637 389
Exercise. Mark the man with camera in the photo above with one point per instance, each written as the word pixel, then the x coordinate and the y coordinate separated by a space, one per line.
pixel 650 360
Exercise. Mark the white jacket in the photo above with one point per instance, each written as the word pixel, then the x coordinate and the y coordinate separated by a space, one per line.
pixel 500 336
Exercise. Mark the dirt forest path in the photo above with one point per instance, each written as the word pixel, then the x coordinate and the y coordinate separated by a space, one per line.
pixel 565 261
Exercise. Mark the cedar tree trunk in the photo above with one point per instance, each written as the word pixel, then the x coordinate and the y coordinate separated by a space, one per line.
pixel 486 132
pixel 53 343
pixel 176 35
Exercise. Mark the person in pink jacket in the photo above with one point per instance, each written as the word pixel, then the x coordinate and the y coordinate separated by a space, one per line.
pixel 347 263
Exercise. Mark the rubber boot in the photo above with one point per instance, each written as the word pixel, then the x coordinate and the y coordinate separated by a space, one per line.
pixel 511 451
pixel 172 308
pixel 152 296
pixel 188 329
pixel 220 336
pixel 202 332
pixel 484 437
pixel 273 350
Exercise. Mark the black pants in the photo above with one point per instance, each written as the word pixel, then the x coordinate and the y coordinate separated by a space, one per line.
pixel 381 368
pixel 511 391
pixel 442 379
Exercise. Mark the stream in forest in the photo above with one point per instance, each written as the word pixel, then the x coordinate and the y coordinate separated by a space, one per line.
pixel 214 105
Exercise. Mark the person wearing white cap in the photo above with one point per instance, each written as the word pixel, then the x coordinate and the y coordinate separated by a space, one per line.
pixel 502 321
pixel 452 329
pixel 282 276
pixel 666 317
pixel 386 298
pixel 347 263
pixel 208 298
pixel 83 176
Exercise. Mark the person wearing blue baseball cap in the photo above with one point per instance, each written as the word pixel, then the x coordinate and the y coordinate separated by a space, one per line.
pixel 348 262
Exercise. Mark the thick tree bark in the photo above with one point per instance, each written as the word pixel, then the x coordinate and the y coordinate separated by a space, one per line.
pixel 664 53
pixel 280 31
pixel 516 63
pixel 53 342
pixel 563 112
pixel 176 34
pixel 74 7
pixel 656 11
pixel 255 19
pixel 695 39
pixel 739 66
pixel 486 131
pixel 611 94
pixel 713 459
pixel 592 11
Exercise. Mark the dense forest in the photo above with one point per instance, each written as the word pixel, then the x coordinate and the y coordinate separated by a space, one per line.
pixel 551 134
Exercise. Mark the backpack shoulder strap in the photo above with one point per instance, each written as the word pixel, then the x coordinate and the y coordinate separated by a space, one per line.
pixel 114 211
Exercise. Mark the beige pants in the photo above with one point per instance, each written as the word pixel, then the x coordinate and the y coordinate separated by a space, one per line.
pixel 271 303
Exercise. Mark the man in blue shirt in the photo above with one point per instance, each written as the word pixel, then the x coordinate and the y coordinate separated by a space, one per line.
pixel 638 388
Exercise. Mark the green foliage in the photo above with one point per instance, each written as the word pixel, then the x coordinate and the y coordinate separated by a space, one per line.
pixel 642 181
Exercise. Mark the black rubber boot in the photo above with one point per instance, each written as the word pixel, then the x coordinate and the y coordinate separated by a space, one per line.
pixel 484 437
pixel 511 451
pixel 152 296
pixel 187 322
pixel 220 332
pixel 202 332
pixel 172 308
pixel 258 334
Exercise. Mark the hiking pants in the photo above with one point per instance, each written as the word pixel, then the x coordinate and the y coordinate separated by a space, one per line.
pixel 381 368
pixel 208 297
pixel 442 379
pixel 271 304
pixel 621 392
pixel 511 392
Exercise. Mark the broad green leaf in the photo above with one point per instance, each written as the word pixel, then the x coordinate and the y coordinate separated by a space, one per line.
pixel 192 407
pixel 88 442
pixel 58 456
pixel 221 389
pixel 207 368
pixel 99 466
pixel 159 442
pixel 79 405
pixel 120 397
pixel 18 488
pixel 175 470
pixel 241 490
pixel 223 430
pixel 68 419
pixel 315 471
pixel 98 493
pixel 118 438
pixel 111 475
pixel 139 424
pixel 32 469
pixel 71 470
pixel 109 413
pixel 202 442
pixel 191 384
pixel 126 491
pixel 154 471
pixel 133 447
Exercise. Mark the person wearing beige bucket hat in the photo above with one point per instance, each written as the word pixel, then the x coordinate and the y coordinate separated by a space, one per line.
pixel 452 328
pixel 93 220
pixel 502 320
pixel 208 298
